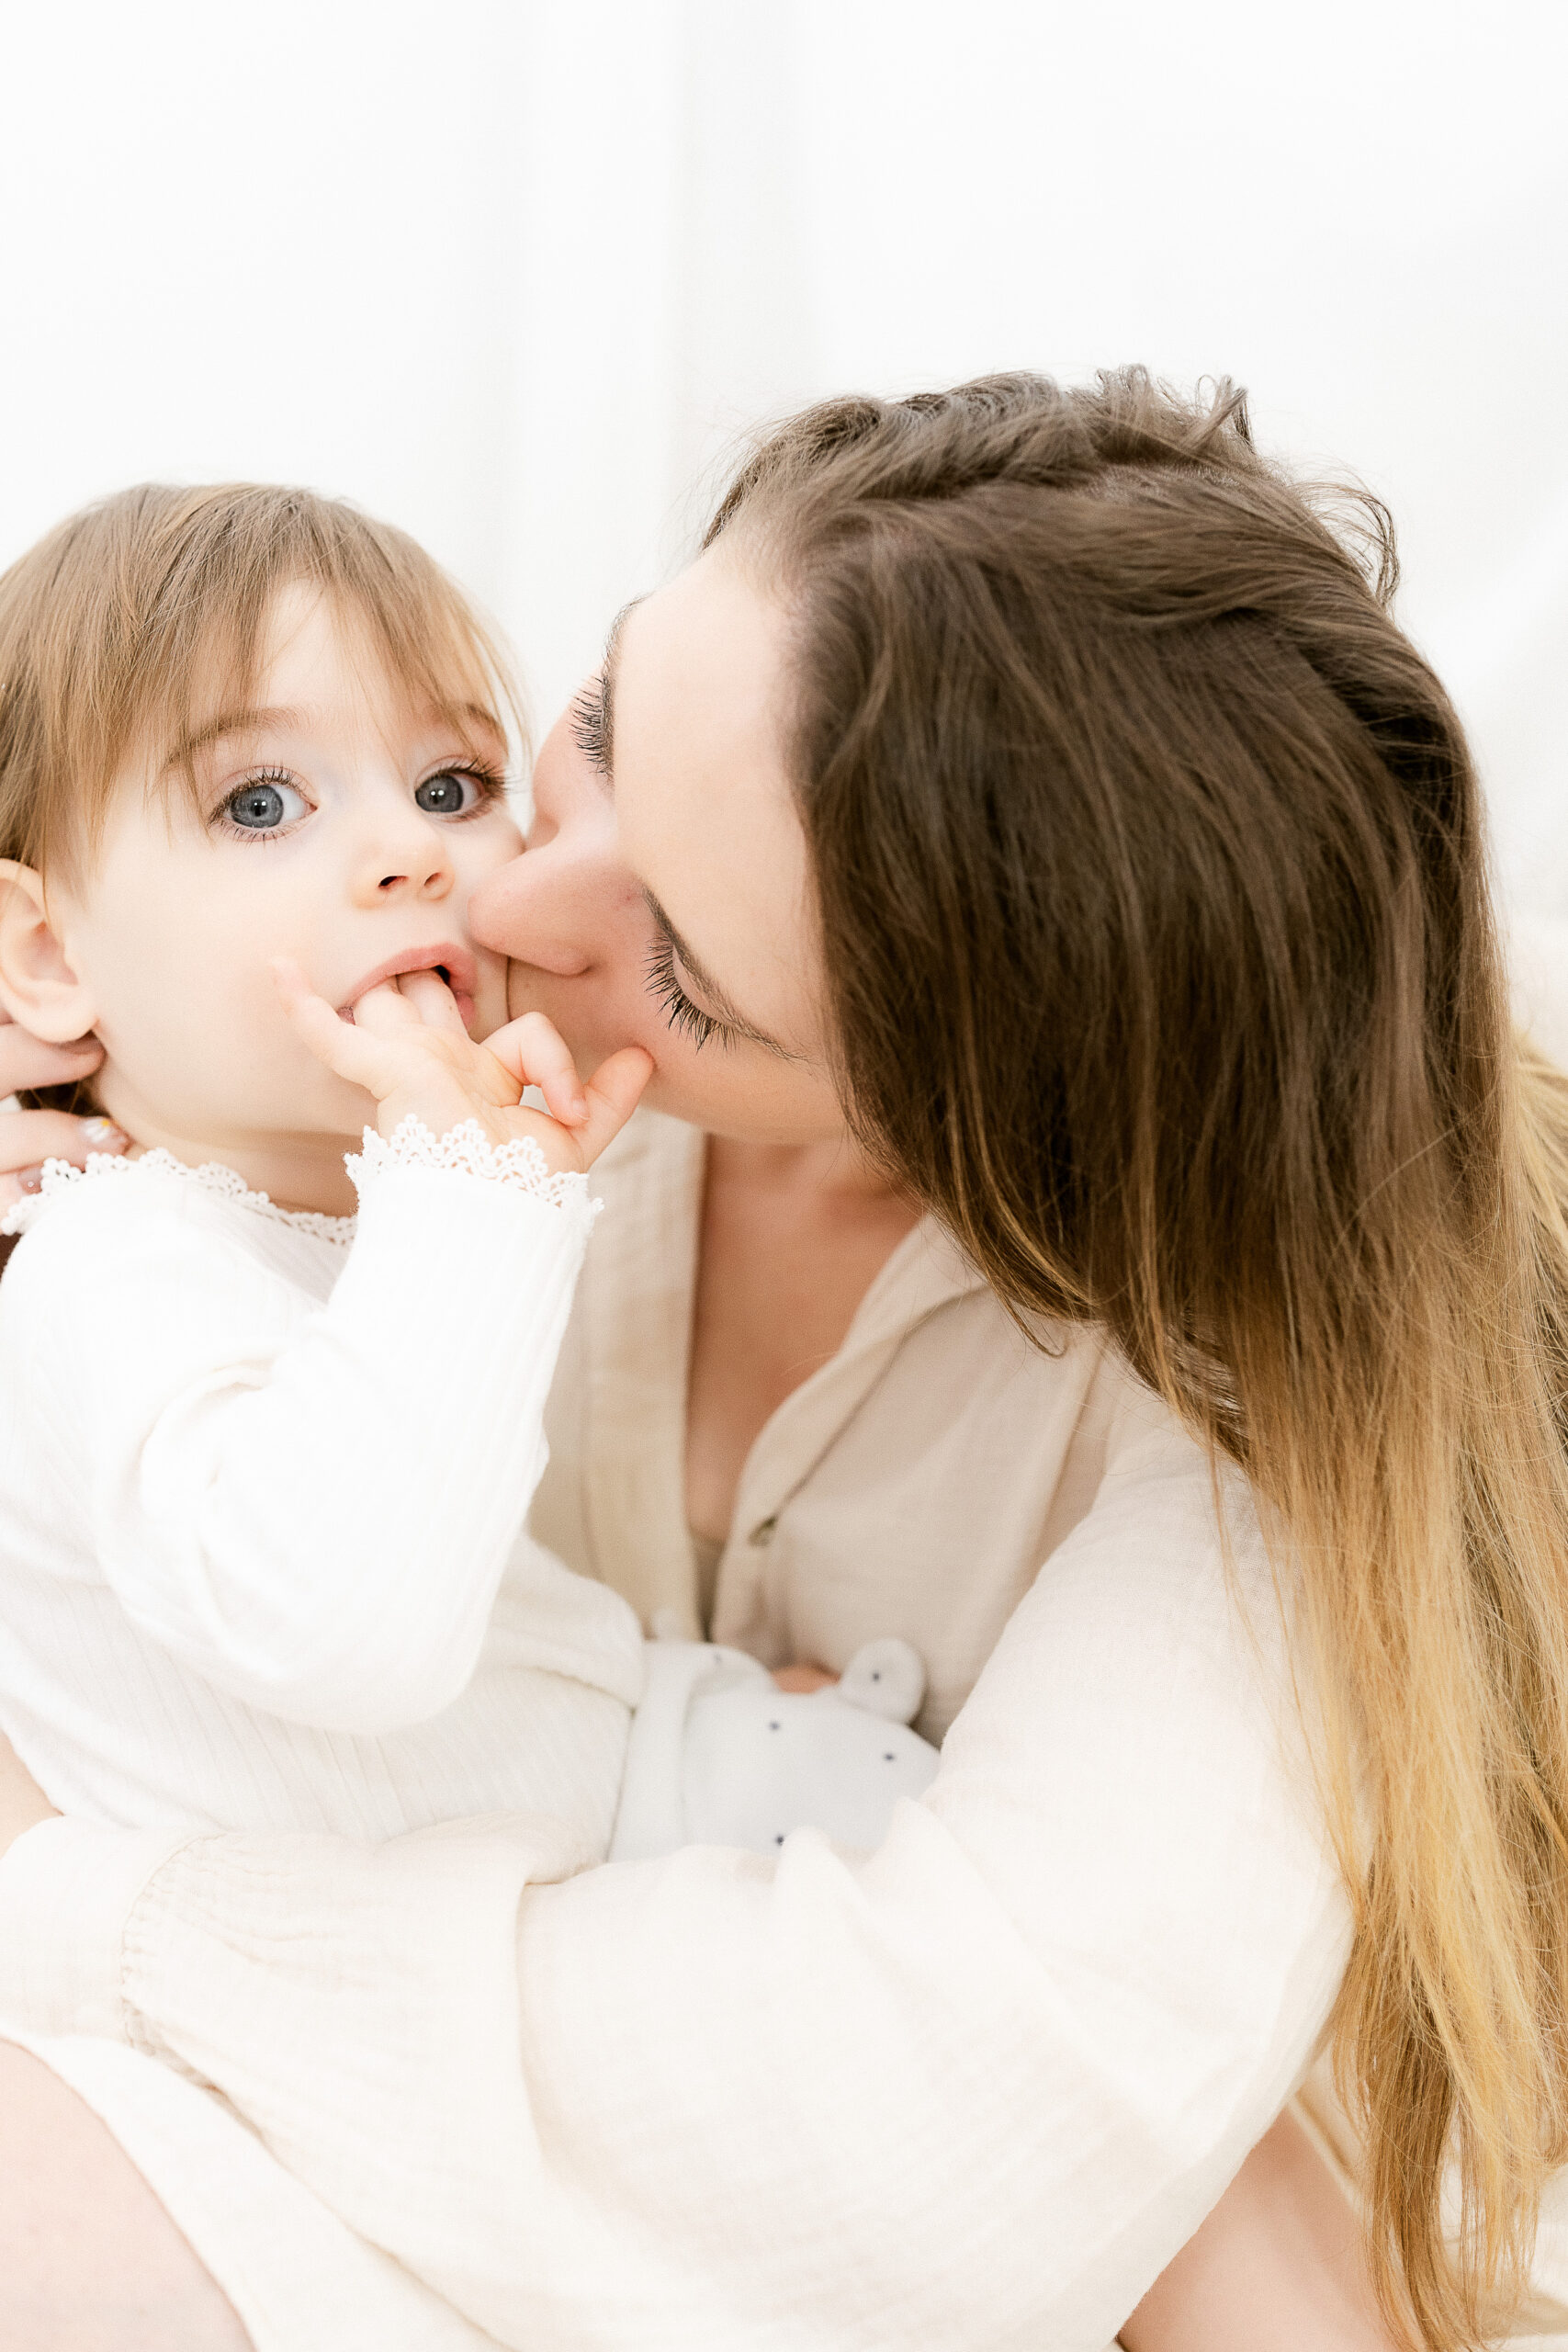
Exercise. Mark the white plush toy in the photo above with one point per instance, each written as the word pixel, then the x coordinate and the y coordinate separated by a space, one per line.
pixel 720 1755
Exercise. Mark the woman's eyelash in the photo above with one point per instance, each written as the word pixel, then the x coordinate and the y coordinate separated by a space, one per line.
pixel 680 1012
pixel 589 730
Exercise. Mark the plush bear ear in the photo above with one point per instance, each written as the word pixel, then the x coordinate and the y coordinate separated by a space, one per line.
pixel 886 1678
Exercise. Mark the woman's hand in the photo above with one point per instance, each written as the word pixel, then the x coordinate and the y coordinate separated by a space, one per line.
pixel 407 1046
pixel 23 1804
pixel 29 1137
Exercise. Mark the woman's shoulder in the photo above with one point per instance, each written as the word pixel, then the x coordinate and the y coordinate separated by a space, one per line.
pixel 1166 1496
pixel 1155 1549
pixel 1154 1643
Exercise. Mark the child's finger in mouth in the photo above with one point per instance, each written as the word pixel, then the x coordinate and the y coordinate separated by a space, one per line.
pixel 439 1004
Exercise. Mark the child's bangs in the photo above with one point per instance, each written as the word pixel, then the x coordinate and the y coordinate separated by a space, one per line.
pixel 404 615
pixel 134 630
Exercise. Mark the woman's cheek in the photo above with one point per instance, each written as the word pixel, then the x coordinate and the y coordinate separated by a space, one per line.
pixel 592 1014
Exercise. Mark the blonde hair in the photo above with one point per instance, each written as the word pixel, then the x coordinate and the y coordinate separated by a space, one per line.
pixel 144 616
pixel 1150 865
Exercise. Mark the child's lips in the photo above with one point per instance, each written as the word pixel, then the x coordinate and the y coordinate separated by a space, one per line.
pixel 453 965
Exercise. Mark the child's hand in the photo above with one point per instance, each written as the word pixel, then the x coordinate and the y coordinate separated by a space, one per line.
pixel 408 1047
pixel 803 1675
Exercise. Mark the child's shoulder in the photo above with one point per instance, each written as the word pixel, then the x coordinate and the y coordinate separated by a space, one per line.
pixel 155 1214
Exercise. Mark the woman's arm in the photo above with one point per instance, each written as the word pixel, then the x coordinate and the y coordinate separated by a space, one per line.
pixel 90 2262
pixel 1281 2243
pixel 981 2087
pixel 1280 2260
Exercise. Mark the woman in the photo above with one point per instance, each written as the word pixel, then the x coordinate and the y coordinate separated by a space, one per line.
pixel 1030 787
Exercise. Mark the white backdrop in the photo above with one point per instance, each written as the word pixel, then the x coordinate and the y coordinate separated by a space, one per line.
pixel 517 275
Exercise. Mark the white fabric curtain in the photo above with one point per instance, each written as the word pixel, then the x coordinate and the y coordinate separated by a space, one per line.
pixel 519 276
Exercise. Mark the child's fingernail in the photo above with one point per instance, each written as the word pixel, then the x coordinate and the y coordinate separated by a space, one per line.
pixel 30 1180
pixel 102 1134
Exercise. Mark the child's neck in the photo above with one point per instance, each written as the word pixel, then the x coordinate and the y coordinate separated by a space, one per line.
pixel 296 1170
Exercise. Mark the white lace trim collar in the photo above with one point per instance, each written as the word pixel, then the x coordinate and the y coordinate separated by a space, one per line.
pixel 210 1177
pixel 467 1150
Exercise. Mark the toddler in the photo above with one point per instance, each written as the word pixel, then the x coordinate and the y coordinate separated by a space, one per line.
pixel 264 1466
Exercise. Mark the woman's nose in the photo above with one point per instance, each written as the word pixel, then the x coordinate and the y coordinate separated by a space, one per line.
pixel 403 859
pixel 546 907
pixel 561 906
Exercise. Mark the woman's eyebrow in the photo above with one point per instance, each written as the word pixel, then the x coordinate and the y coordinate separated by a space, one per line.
pixel 718 999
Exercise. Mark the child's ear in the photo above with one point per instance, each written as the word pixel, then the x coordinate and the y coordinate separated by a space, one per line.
pixel 37 986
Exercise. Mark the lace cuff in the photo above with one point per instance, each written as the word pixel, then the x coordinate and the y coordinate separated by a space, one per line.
pixel 468 1151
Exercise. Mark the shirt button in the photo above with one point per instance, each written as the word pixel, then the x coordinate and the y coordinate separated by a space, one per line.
pixel 763 1533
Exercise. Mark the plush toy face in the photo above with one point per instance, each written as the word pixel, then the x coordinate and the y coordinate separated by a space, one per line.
pixel 720 1756
pixel 761 1762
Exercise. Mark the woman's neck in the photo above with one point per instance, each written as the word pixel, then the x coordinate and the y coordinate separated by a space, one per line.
pixel 791 1239
pixel 833 1171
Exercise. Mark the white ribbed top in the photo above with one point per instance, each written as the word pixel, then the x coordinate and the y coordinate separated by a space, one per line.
pixel 262 1482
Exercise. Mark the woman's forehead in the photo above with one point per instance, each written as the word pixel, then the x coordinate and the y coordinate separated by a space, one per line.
pixel 696 672
pixel 705 812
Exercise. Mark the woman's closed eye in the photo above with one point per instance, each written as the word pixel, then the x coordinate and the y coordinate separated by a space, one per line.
pixel 680 1012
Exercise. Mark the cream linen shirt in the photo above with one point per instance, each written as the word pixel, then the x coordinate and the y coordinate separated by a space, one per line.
pixel 912 1486
pixel 970 2093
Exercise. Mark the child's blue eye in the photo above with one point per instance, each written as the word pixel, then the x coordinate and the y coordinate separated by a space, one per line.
pixel 262 806
pixel 451 794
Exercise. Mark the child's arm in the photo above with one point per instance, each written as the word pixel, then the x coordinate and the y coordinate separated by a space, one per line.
pixel 315 1521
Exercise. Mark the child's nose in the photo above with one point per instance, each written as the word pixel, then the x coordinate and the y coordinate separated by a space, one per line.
pixel 407 861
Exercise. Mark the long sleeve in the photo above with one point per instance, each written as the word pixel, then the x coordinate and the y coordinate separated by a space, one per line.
pixel 975 2090
pixel 308 1511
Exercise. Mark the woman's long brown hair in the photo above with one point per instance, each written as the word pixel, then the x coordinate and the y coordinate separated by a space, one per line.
pixel 1151 883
